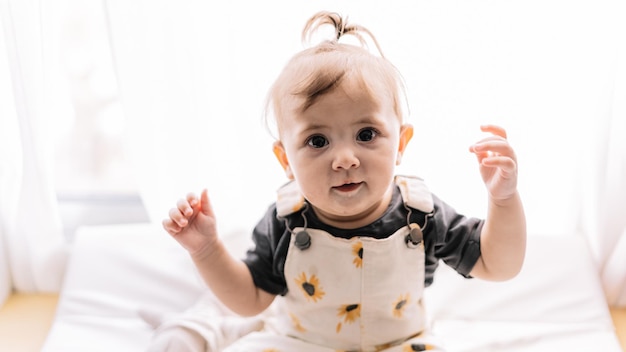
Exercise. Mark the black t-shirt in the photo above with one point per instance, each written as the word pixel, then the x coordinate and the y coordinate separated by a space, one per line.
pixel 448 236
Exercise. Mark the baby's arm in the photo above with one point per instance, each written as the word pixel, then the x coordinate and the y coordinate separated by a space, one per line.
pixel 192 224
pixel 503 237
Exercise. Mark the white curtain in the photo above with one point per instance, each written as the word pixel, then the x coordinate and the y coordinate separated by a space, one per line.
pixel 607 215
pixel 7 144
pixel 194 77
pixel 34 247
pixel 5 276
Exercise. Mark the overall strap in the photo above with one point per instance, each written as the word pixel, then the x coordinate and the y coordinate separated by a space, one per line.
pixel 415 193
pixel 289 199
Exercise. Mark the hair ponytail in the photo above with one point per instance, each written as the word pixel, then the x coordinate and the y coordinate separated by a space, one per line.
pixel 341 26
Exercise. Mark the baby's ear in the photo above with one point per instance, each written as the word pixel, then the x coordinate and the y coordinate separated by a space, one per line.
pixel 281 155
pixel 406 133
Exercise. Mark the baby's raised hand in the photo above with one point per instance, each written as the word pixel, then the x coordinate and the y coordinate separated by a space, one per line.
pixel 192 223
pixel 497 162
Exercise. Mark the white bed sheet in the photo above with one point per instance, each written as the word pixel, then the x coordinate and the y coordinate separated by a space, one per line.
pixel 555 304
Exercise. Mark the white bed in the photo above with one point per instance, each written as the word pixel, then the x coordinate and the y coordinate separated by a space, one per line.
pixel 555 304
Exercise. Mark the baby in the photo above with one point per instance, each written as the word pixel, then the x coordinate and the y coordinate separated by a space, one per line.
pixel 349 246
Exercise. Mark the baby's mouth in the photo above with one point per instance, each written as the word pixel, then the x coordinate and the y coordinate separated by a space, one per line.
pixel 348 187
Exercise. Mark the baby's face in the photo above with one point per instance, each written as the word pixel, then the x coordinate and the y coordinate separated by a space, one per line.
pixel 342 152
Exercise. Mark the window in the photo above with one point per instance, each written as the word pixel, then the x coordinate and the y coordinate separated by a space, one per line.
pixel 93 175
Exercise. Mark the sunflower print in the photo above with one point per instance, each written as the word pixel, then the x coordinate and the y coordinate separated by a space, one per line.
pixel 310 287
pixel 416 347
pixel 296 323
pixel 357 250
pixel 349 312
pixel 400 305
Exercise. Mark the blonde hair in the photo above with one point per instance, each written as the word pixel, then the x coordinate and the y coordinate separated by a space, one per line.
pixel 319 69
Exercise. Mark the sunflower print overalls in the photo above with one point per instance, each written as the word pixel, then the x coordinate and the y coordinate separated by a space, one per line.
pixel 358 294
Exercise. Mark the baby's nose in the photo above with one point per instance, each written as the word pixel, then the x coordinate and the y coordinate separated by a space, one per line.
pixel 345 158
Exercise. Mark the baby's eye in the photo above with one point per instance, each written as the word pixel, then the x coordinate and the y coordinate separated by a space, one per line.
pixel 317 141
pixel 366 135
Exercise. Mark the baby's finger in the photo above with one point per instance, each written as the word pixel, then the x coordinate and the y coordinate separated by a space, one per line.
pixel 178 218
pixel 506 164
pixel 171 227
pixel 494 147
pixel 491 138
pixel 497 130
pixel 206 203
pixel 193 200
pixel 185 207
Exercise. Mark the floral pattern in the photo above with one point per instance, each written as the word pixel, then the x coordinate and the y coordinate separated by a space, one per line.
pixel 400 305
pixel 357 250
pixel 350 313
pixel 296 323
pixel 416 347
pixel 310 287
